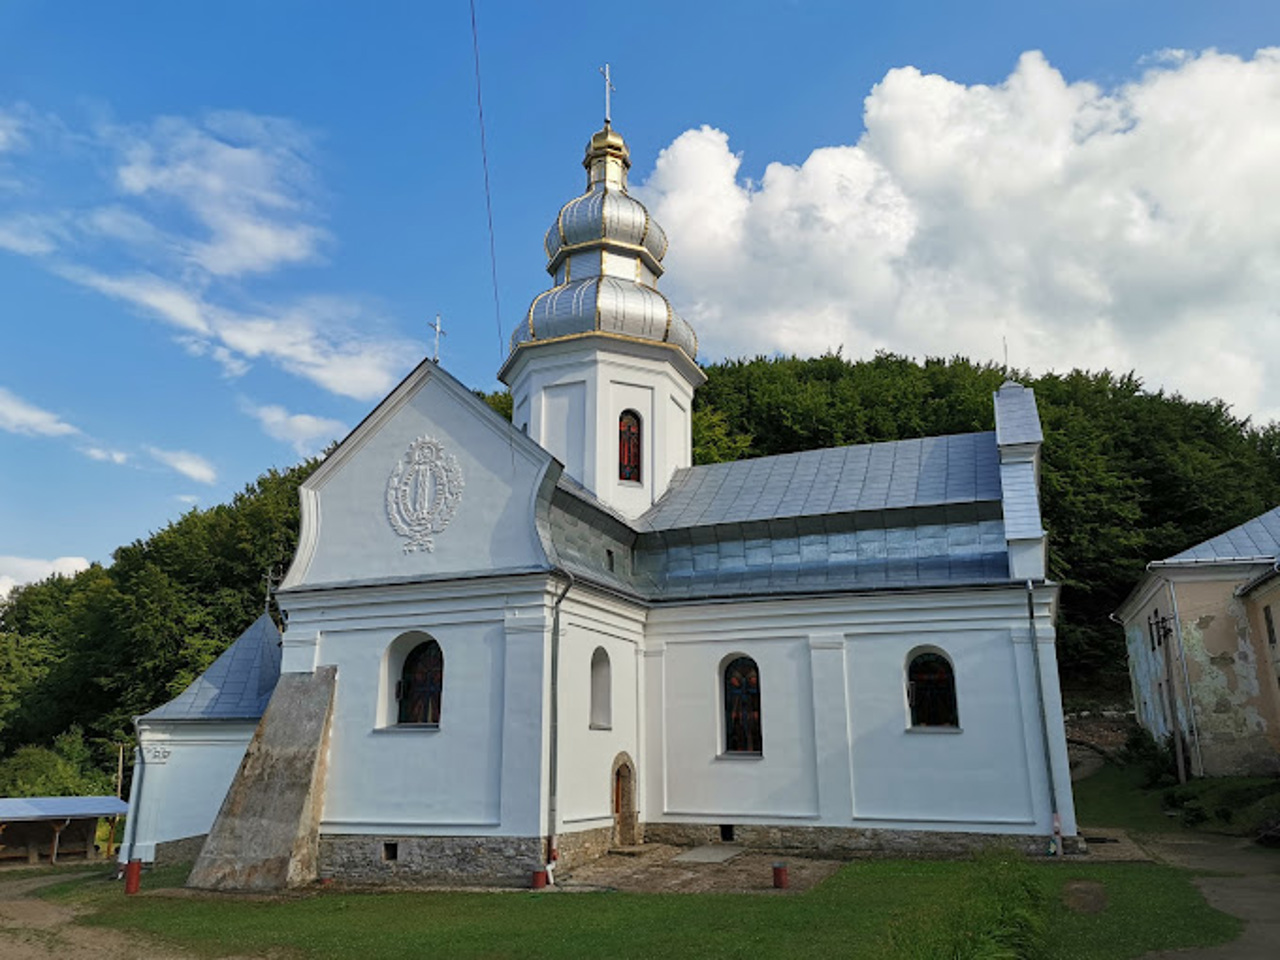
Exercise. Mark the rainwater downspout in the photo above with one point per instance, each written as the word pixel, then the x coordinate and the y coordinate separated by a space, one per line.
pixel 553 853
pixel 1044 722
pixel 1186 676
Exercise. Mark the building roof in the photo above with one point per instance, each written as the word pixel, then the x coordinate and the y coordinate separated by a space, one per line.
pixel 237 685
pixel 1254 539
pixel 13 809
pixel 910 513
pixel 926 472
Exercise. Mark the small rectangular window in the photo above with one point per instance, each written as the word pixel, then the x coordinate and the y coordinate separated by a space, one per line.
pixel 1271 627
pixel 390 852
pixel 608 561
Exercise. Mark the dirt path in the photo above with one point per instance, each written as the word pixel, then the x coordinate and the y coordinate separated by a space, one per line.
pixel 1250 890
pixel 34 929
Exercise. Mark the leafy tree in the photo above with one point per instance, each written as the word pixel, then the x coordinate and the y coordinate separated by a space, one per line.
pixel 64 771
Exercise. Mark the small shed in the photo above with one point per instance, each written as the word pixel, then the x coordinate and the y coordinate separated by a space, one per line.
pixel 33 828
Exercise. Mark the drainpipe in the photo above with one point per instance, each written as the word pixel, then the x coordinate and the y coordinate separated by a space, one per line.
pixel 1186 676
pixel 554 747
pixel 1044 722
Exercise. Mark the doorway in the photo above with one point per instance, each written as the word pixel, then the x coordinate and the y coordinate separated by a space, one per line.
pixel 626 832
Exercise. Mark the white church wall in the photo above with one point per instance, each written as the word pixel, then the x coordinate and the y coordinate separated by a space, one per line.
pixel 838 747
pixel 479 772
pixel 347 532
pixel 587 752
pixel 187 769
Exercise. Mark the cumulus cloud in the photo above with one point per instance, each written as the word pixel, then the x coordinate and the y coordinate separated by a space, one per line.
pixel 18 416
pixel 307 434
pixel 15 571
pixel 190 465
pixel 1132 228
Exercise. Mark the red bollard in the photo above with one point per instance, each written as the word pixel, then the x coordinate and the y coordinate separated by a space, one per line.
pixel 780 879
pixel 132 876
pixel 539 879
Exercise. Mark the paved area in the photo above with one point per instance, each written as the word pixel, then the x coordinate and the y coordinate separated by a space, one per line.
pixel 664 869
pixel 709 853
pixel 1249 888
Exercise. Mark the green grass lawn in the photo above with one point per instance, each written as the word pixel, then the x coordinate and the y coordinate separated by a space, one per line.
pixel 878 909
pixel 1115 797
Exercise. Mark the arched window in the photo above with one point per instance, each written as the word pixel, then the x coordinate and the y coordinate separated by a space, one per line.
pixel 742 706
pixel 629 446
pixel 931 691
pixel 601 691
pixel 421 683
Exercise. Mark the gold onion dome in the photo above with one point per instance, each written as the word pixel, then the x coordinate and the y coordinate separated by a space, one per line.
pixel 605 253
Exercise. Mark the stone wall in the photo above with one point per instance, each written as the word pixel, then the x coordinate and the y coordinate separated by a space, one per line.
pixel 845 842
pixel 184 850
pixel 581 847
pixel 362 859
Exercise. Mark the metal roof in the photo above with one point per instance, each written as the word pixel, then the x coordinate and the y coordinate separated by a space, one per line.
pixel 13 809
pixel 1255 539
pixel 930 471
pixel 1017 420
pixel 237 685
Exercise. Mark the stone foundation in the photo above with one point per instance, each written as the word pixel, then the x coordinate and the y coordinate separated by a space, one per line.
pixel 581 847
pixel 183 850
pixel 848 842
pixel 485 861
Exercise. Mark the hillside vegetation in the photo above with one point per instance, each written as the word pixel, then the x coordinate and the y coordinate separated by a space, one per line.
pixel 1129 476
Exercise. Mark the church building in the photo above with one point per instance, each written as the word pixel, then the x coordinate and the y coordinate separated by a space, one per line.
pixel 510 645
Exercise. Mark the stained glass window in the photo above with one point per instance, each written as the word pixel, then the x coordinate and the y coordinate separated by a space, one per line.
pixel 931 691
pixel 629 446
pixel 421 683
pixel 741 706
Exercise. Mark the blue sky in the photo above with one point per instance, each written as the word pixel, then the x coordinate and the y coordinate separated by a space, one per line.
pixel 224 227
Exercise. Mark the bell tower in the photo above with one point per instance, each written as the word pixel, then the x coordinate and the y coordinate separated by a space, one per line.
pixel 602 370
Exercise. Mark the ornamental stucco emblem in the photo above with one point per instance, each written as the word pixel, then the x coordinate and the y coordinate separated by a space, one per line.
pixel 423 493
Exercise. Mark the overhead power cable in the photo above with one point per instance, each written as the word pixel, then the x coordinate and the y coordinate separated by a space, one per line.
pixel 488 198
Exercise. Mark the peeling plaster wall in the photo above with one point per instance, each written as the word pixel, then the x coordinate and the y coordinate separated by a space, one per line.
pixel 1235 720
pixel 1235 701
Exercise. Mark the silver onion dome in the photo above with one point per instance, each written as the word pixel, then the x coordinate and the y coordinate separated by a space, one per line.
pixel 605 253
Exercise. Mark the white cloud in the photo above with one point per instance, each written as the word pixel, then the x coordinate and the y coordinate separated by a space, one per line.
pixel 15 571
pixel 190 465
pixel 107 456
pixel 30 235
pixel 10 131
pixel 244 180
pixel 1131 228
pixel 18 416
pixel 187 498
pixel 306 433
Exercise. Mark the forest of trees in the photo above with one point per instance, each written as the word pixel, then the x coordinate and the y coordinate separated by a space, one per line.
pixel 1129 476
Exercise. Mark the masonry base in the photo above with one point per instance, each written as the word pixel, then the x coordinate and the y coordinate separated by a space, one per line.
pixel 849 842
pixel 408 861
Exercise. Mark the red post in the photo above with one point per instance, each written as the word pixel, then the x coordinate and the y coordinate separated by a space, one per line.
pixel 539 879
pixel 133 876
pixel 780 879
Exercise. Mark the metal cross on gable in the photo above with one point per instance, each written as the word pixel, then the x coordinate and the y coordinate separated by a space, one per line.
pixel 608 88
pixel 440 332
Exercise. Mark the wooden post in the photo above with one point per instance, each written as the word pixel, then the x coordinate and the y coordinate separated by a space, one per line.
pixel 111 837
pixel 119 769
pixel 57 835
